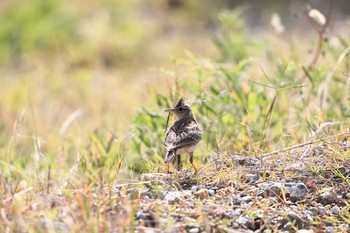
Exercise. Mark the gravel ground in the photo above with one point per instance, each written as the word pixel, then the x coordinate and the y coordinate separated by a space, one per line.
pixel 304 190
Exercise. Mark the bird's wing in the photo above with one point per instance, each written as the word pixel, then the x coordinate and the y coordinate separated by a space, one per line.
pixel 176 139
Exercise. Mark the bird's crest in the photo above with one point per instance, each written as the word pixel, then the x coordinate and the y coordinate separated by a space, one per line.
pixel 180 102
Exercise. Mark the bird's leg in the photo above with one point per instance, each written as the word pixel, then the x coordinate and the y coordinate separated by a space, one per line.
pixel 167 168
pixel 178 162
pixel 191 161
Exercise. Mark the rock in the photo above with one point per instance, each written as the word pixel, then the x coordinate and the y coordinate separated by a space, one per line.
pixel 297 191
pixel 194 188
pixel 322 210
pixel 250 178
pixel 157 177
pixel 274 189
pixel 335 209
pixel 242 160
pixel 256 177
pixel 146 218
pixel 173 196
pixel 327 196
pixel 211 192
pixel 194 230
pixel 314 210
pixel 294 191
pixel 329 229
pixel 245 222
pixel 292 216
pixel 288 226
pixel 243 199
pixel 202 194
pixel 304 231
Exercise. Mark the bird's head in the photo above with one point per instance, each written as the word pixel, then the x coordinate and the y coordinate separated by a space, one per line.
pixel 181 109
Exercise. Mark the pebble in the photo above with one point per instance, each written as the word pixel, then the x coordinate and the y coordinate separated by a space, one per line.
pixel 256 177
pixel 244 221
pixel 335 209
pixel 295 191
pixel 146 217
pixel 243 199
pixel 295 217
pixel 327 196
pixel 202 194
pixel 322 210
pixel 173 196
pixel 304 231
pixel 287 226
pixel 308 213
pixel 194 188
pixel 194 230
pixel 211 192
pixel 329 229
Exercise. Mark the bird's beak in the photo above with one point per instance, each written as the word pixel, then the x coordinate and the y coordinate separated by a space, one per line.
pixel 169 110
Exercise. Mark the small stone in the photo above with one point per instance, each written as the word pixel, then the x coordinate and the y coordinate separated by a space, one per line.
pixel 202 194
pixel 256 177
pixel 274 189
pixel 335 209
pixel 287 226
pixel 314 210
pixel 322 210
pixel 194 188
pixel 294 191
pixel 304 231
pixel 244 222
pixel 308 213
pixel 327 196
pixel 173 196
pixel 146 217
pixel 194 230
pixel 297 191
pixel 329 229
pixel 211 192
pixel 243 199
pixel 292 216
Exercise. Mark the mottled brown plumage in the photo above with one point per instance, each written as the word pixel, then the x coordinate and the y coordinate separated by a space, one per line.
pixel 183 136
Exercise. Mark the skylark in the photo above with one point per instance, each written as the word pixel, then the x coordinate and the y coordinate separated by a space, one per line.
pixel 183 136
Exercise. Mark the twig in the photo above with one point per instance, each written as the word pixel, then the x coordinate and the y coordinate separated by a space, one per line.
pixel 135 183
pixel 48 180
pixel 303 144
pixel 320 33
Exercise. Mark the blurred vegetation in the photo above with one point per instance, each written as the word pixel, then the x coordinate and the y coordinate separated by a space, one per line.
pixel 74 72
pixel 249 114
pixel 35 27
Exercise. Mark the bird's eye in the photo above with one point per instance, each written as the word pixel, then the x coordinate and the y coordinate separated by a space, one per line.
pixel 180 109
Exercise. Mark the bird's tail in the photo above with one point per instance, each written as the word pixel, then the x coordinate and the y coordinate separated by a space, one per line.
pixel 169 156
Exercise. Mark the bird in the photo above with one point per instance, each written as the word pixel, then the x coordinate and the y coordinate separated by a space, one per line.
pixel 182 136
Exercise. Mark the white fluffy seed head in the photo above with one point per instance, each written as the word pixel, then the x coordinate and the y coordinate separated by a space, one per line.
pixel 317 16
